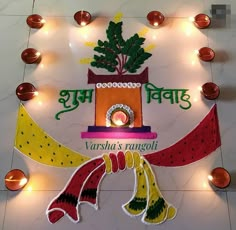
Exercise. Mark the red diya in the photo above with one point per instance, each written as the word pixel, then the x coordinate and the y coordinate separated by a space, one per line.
pixel 210 90
pixel 202 21
pixel 30 56
pixel 155 18
pixel 26 91
pixel 15 180
pixel 35 21
pixel 82 17
pixel 206 54
pixel 220 177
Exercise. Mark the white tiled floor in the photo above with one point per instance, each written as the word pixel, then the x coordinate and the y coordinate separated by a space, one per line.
pixel 172 65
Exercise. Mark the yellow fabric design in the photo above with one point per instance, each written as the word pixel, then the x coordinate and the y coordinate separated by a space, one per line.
pixel 35 143
pixel 147 198
pixel 168 212
pixel 136 157
pixel 108 164
pixel 129 159
pixel 140 193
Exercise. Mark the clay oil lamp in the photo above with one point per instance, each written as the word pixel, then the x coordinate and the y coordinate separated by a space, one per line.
pixel 206 54
pixel 210 91
pixel 155 18
pixel 202 21
pixel 15 180
pixel 119 118
pixel 31 56
pixel 35 21
pixel 220 178
pixel 82 17
pixel 26 91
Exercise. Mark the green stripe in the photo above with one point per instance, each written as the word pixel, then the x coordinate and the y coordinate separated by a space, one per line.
pixel 138 203
pixel 156 209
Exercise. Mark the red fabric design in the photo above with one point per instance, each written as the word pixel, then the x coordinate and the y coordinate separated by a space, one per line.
pixel 121 160
pixel 199 143
pixel 114 162
pixel 92 183
pixel 66 201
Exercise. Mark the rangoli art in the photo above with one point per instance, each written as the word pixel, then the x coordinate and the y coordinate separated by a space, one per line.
pixel 118 115
pixel 83 187
pixel 115 107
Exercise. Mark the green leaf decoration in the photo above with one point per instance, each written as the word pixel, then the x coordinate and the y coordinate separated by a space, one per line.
pixel 114 33
pixel 136 60
pixel 100 43
pixel 102 62
pixel 132 44
pixel 119 55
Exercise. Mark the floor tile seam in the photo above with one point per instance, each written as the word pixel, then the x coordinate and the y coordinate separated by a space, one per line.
pixel 228 209
pixel 5 209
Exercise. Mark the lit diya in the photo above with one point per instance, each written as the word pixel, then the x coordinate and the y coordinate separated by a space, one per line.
pixel 202 21
pixel 26 91
pixel 155 18
pixel 220 177
pixel 210 90
pixel 30 56
pixel 206 54
pixel 82 17
pixel 119 118
pixel 15 180
pixel 35 21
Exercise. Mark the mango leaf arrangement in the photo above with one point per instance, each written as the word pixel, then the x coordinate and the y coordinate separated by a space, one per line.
pixel 117 54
